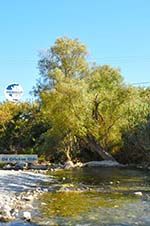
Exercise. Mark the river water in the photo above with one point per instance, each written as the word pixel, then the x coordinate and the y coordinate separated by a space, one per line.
pixel 95 196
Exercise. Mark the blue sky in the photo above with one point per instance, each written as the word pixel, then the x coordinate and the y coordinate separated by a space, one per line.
pixel 116 32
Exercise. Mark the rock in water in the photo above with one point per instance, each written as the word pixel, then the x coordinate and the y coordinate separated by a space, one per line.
pixel 104 163
pixel 28 198
pixel 27 216
pixel 139 193
pixel 21 166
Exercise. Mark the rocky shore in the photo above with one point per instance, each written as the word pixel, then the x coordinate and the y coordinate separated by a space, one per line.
pixel 18 190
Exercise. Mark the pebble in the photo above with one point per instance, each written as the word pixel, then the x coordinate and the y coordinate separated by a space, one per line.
pixel 139 193
pixel 14 202
pixel 11 206
pixel 27 215
pixel 27 198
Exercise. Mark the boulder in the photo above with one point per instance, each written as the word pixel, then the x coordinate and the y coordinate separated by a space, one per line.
pixel 37 166
pixel 21 165
pixel 104 163
pixel 28 198
pixel 27 216
pixel 8 167
pixel 139 193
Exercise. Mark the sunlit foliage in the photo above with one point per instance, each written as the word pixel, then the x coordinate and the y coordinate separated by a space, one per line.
pixel 79 107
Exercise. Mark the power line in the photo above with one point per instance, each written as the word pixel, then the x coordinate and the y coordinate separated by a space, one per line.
pixel 120 59
pixel 140 83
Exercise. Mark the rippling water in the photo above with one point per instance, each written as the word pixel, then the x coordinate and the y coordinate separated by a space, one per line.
pixel 95 196
pixel 17 223
pixel 99 196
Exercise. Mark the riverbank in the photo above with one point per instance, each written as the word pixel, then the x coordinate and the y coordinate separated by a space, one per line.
pixel 21 191
pixel 18 190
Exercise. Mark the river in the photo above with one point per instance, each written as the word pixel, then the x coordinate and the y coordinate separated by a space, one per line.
pixel 94 196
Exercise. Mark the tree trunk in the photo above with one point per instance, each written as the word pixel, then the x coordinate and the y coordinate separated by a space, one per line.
pixel 94 146
pixel 68 153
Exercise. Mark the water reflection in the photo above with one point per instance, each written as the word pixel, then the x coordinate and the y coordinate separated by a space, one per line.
pixel 99 196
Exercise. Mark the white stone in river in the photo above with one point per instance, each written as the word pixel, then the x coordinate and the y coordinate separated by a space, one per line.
pixel 27 198
pixel 45 190
pixel 104 163
pixel 27 215
pixel 138 193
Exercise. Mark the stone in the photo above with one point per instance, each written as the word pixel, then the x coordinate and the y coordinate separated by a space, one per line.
pixel 14 212
pixel 43 204
pixel 37 167
pixel 45 190
pixel 4 218
pixel 139 193
pixel 21 165
pixel 27 215
pixel 8 167
pixel 5 213
pixel 27 198
pixel 104 163
pixel 17 192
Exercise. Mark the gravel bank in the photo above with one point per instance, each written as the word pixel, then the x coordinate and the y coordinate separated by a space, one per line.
pixel 18 190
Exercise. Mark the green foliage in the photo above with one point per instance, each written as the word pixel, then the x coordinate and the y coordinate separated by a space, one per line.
pixel 67 58
pixel 109 99
pixel 136 137
pixel 66 109
pixel 74 102
pixel 83 101
pixel 63 94
pixel 21 127
pixel 136 145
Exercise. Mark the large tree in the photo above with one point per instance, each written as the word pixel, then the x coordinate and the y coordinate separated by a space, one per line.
pixel 67 57
pixel 77 99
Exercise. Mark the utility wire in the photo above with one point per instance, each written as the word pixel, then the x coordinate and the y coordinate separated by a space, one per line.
pixel 140 83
